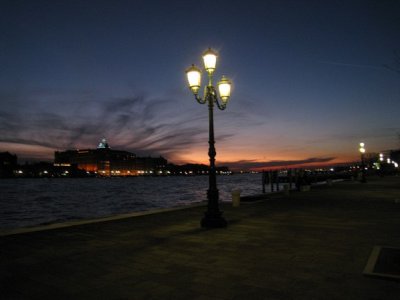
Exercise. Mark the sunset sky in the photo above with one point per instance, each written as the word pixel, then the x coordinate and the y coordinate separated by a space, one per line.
pixel 309 77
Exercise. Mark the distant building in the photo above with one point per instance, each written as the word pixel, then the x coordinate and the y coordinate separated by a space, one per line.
pixel 394 155
pixel 104 161
pixel 8 163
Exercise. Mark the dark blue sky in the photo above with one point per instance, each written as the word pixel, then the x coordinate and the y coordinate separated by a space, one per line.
pixel 309 78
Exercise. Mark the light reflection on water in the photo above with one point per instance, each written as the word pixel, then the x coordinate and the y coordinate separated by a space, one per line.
pixel 29 202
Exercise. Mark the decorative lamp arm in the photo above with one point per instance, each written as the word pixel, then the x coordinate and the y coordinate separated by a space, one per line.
pixel 199 99
pixel 220 106
pixel 214 95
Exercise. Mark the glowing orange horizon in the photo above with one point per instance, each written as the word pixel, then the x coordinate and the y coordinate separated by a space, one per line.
pixel 231 160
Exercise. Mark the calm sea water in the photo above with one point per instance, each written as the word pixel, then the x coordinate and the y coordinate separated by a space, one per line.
pixel 30 202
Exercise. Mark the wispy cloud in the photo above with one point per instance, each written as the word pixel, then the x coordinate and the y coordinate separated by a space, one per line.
pixel 252 165
pixel 135 123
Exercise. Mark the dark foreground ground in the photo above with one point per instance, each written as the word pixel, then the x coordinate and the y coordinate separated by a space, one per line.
pixel 310 245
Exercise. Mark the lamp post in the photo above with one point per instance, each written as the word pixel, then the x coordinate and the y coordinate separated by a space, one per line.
pixel 362 151
pixel 213 216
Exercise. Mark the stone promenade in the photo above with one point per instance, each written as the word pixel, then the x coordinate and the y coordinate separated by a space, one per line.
pixel 308 245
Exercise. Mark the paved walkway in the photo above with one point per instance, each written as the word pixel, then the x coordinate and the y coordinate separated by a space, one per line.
pixel 310 245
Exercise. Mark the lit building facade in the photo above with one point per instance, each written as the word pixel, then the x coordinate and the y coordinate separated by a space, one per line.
pixel 104 161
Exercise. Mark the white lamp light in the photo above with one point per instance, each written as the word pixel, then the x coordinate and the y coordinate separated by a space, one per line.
pixel 224 88
pixel 194 78
pixel 210 60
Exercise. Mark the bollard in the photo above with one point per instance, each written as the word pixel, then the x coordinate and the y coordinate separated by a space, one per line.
pixel 286 189
pixel 236 197
pixel 329 182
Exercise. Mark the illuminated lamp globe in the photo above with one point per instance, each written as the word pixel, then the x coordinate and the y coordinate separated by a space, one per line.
pixel 362 150
pixel 224 88
pixel 362 145
pixel 194 78
pixel 210 60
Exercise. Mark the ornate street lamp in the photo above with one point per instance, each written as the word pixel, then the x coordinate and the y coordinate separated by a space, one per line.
pixel 213 216
pixel 362 151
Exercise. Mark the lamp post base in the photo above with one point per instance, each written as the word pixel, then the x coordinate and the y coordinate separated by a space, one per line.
pixel 214 220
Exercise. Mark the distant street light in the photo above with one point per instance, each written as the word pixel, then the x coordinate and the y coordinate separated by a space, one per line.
pixel 362 151
pixel 213 216
pixel 381 156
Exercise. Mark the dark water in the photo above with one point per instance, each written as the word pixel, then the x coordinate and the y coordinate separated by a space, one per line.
pixel 29 202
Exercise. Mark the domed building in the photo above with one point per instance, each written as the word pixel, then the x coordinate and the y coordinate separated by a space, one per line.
pixel 104 161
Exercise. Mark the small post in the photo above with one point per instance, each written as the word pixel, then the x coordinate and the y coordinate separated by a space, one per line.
pixel 236 197
pixel 276 180
pixel 270 173
pixel 263 181
pixel 286 189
